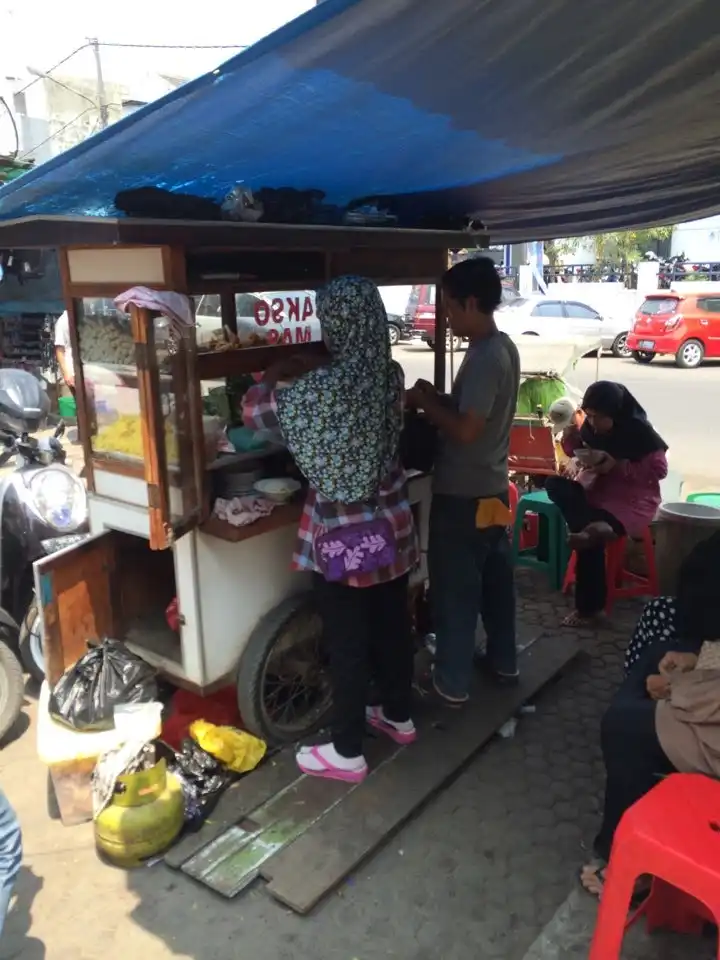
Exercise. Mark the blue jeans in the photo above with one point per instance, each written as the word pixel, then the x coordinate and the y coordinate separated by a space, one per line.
pixel 471 573
pixel 10 854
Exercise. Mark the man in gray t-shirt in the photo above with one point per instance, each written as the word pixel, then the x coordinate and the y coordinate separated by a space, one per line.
pixel 469 557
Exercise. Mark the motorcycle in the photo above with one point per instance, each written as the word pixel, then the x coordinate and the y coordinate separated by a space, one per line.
pixel 43 508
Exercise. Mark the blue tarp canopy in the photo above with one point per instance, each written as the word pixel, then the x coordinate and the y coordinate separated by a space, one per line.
pixel 542 118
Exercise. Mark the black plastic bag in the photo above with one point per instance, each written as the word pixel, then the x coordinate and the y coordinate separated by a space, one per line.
pixel 202 778
pixel 106 676
pixel 418 442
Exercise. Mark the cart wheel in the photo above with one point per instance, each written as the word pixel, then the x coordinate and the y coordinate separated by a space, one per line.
pixel 284 690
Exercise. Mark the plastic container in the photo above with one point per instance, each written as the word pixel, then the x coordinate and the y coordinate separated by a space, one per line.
pixel 71 755
pixel 705 499
pixel 679 528
pixel 67 408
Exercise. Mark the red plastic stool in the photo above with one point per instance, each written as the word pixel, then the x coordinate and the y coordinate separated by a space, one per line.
pixel 529 532
pixel 673 834
pixel 621 582
pixel 672 909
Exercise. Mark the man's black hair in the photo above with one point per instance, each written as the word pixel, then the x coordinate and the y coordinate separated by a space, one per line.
pixel 477 278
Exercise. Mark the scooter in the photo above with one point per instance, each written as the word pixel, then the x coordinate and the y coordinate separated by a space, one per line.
pixel 43 508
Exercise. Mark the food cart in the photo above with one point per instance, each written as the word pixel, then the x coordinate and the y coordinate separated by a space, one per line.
pixel 534 451
pixel 243 615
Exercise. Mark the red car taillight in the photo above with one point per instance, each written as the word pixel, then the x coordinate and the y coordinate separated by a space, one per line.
pixel 673 321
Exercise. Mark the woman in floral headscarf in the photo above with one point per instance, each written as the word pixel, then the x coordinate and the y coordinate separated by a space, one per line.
pixel 341 419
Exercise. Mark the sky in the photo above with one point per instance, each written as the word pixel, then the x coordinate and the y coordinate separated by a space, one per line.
pixel 66 25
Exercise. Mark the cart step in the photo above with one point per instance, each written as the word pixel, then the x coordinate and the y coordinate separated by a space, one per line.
pixel 304 835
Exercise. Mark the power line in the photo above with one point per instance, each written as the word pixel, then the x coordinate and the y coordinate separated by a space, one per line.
pixel 57 132
pixel 42 76
pixel 3 101
pixel 177 46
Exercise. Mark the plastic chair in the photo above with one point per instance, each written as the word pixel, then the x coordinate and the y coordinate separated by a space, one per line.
pixel 539 503
pixel 706 499
pixel 622 583
pixel 673 834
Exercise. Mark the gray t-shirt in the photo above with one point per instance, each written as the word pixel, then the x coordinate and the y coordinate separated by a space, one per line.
pixel 487 383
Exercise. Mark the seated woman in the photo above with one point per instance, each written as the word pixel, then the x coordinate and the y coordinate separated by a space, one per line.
pixel 341 421
pixel 666 715
pixel 612 491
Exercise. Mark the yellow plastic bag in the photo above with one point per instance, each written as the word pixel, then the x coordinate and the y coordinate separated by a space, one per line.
pixel 492 512
pixel 238 750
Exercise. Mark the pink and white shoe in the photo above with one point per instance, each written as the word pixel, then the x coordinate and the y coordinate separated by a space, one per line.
pixel 324 761
pixel 402 733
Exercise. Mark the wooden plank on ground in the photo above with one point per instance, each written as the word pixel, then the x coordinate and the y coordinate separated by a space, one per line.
pixel 237 802
pixel 302 873
pixel 233 860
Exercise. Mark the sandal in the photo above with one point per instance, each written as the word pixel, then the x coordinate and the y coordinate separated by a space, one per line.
pixel 592 879
pixel 327 770
pixel 376 719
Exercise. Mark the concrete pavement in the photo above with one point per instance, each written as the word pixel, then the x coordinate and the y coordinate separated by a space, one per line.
pixel 480 873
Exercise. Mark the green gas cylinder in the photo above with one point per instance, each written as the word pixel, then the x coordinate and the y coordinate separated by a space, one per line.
pixel 143 818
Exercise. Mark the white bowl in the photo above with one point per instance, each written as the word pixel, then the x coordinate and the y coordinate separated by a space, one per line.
pixel 587 456
pixel 278 489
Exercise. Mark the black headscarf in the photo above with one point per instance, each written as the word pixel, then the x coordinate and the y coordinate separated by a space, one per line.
pixel 632 436
pixel 697 603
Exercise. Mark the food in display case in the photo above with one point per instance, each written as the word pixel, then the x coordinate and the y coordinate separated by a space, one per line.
pixel 124 437
pixel 104 333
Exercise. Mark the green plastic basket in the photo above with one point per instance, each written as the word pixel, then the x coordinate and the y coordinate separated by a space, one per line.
pixel 706 499
pixel 67 408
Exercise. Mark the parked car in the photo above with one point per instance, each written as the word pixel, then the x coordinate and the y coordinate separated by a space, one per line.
pixel 686 326
pixel 287 316
pixel 548 316
pixel 420 313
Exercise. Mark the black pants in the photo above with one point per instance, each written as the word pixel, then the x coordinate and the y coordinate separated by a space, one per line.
pixel 634 759
pixel 367 634
pixel 590 581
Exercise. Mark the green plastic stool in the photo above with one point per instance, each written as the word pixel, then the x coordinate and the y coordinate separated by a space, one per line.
pixel 706 499
pixel 558 550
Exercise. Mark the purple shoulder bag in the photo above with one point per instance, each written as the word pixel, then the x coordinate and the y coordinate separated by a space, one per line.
pixel 354 549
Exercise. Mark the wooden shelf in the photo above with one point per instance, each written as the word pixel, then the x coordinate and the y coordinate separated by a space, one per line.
pixel 285 515
pixel 213 365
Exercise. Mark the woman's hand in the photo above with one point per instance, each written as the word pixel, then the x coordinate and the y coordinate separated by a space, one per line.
pixel 604 465
pixel 676 662
pixel 418 396
pixel 570 469
pixel 290 368
pixel 658 687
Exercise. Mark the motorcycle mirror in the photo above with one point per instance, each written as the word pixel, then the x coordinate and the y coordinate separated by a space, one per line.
pixel 59 429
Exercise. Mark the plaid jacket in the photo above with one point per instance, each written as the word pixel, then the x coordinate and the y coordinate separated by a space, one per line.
pixel 259 412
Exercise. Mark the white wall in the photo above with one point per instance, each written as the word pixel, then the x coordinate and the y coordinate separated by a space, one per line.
pixel 699 240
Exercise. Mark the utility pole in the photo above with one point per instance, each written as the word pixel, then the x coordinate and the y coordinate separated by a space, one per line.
pixel 101 96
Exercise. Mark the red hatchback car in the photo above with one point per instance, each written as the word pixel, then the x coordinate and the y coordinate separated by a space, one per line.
pixel 687 326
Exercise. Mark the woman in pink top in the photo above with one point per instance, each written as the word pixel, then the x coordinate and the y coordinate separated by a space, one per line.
pixel 617 494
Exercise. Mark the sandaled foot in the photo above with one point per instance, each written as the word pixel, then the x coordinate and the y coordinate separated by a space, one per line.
pixel 592 877
pixel 324 761
pixel 575 619
pixel 402 733
pixel 592 536
pixel 428 687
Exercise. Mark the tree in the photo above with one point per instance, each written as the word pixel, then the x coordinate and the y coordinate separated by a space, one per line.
pixel 626 245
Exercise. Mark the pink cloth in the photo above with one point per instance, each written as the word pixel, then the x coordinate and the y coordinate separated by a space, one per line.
pixel 630 492
pixel 241 511
pixel 175 306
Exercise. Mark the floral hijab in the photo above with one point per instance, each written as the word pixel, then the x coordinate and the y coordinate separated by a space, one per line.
pixel 342 421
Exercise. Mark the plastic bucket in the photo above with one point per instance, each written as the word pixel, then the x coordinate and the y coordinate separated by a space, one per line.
pixel 67 408
pixel 680 527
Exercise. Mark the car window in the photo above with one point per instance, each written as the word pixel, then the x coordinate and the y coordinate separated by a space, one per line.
pixel 245 304
pixel 709 304
pixel 431 296
pixel 208 306
pixel 549 308
pixel 579 311
pixel 656 305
